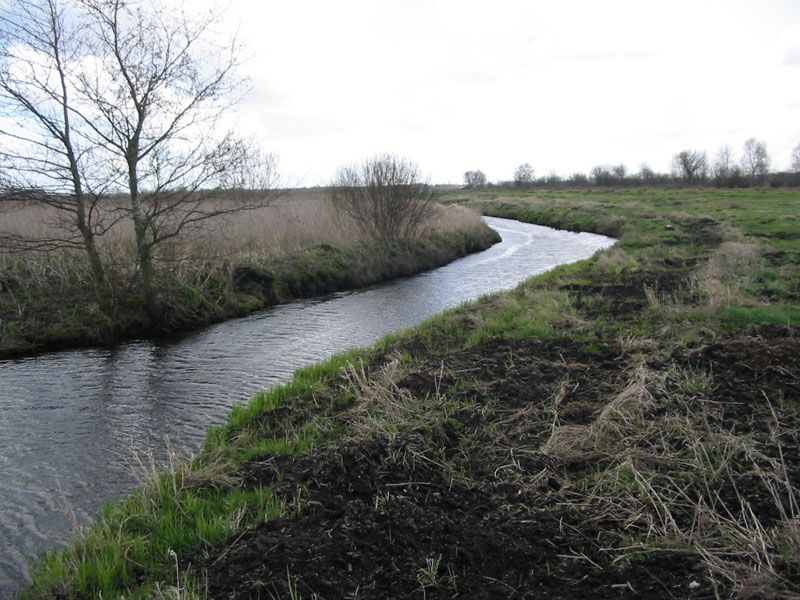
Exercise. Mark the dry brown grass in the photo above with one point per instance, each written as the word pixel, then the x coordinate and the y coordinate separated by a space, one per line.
pixel 51 292
pixel 732 266
pixel 615 259
pixel 294 222
pixel 722 280
pixel 386 408
pixel 666 457
pixel 610 430
pixel 298 220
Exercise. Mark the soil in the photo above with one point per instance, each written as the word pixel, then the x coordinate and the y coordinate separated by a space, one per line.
pixel 372 522
pixel 470 508
pixel 755 379
pixel 374 512
pixel 618 298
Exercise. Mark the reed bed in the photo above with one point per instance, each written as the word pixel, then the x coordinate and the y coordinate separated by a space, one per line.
pixel 292 222
pixel 293 245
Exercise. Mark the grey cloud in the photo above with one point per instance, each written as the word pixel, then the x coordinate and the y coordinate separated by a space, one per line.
pixel 261 94
pixel 284 125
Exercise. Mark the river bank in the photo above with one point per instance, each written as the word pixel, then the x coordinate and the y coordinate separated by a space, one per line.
pixel 33 321
pixel 121 407
pixel 624 426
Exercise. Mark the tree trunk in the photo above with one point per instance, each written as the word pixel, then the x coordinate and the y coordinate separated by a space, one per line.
pixel 96 264
pixel 143 246
pixel 85 229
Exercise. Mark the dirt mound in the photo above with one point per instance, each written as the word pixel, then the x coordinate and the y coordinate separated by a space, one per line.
pixel 381 522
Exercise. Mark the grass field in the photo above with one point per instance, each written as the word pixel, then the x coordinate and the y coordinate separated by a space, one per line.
pixel 626 426
pixel 746 240
pixel 295 246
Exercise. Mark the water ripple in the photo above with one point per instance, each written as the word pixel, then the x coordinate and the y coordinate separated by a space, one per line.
pixel 72 422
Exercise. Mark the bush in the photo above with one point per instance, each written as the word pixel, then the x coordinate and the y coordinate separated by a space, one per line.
pixel 385 197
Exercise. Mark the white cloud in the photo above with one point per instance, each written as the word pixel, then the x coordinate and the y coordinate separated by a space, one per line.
pixel 562 85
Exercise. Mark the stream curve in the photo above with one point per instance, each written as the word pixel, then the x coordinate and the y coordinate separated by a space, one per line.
pixel 77 427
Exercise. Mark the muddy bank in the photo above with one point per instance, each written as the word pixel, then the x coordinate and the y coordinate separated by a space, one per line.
pixel 601 463
pixel 476 505
pixel 623 427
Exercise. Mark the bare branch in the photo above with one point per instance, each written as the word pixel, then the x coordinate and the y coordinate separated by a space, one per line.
pixel 385 196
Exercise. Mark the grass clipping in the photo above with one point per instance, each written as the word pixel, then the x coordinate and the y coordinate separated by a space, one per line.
pixel 611 428
pixel 385 408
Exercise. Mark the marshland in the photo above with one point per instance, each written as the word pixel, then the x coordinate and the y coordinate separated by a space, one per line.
pixel 624 425
pixel 282 246
pixel 580 382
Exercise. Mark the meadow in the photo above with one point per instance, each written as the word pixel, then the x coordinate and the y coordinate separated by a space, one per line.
pixel 296 245
pixel 626 426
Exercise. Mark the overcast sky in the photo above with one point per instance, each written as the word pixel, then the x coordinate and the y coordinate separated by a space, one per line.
pixel 564 85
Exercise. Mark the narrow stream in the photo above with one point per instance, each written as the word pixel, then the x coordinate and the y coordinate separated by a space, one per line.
pixel 73 423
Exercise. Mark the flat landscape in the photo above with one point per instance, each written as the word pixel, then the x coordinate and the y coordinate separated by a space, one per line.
pixel 626 426
pixel 577 225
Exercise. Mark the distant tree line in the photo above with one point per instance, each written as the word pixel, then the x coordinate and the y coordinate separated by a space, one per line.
pixel 688 167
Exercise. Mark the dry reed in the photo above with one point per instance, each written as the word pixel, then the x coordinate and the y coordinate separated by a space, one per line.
pixel 297 221
pixel 293 222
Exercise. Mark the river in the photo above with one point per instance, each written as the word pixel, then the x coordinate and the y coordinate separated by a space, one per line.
pixel 75 425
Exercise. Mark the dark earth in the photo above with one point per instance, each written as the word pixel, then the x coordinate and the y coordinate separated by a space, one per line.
pixel 471 507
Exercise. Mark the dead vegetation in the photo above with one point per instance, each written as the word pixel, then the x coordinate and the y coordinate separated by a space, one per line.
pixel 293 222
pixel 723 277
pixel 720 280
pixel 298 245
pixel 609 433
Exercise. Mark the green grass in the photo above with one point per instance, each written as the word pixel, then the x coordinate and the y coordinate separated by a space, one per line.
pixel 670 238
pixel 657 226
pixel 137 539
pixel 742 316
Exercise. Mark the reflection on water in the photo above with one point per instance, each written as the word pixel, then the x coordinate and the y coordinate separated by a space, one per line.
pixel 73 422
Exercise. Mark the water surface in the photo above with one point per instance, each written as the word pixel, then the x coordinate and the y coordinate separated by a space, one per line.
pixel 73 423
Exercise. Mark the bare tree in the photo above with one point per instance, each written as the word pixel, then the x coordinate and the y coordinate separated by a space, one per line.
pixel 474 179
pixel 646 173
pixel 724 163
pixel 44 158
pixel 690 165
pixel 152 106
pixel 725 170
pixel 619 171
pixel 579 178
pixel 755 160
pixel 602 175
pixel 128 97
pixel 794 162
pixel 552 178
pixel 523 175
pixel 385 196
